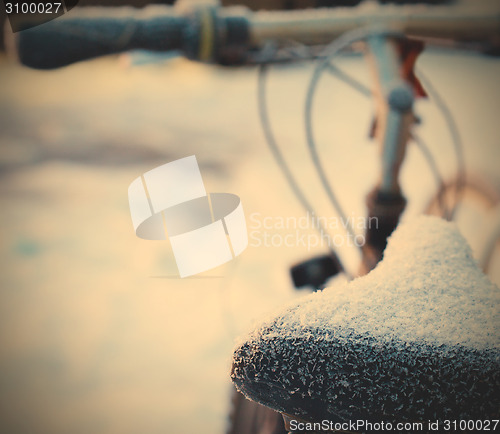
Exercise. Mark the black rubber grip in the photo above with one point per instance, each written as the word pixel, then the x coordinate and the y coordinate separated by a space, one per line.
pixel 91 32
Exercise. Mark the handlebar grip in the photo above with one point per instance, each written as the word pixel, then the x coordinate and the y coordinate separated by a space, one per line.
pixel 91 32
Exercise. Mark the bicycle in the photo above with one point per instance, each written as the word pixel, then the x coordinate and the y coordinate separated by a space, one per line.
pixel 201 38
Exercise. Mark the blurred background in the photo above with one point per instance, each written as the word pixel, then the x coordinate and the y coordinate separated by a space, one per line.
pixel 97 334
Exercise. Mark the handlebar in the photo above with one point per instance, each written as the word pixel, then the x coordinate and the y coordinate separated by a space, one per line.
pixel 225 35
pixel 95 32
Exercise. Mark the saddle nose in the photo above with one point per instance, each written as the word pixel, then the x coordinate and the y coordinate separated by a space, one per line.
pixel 416 339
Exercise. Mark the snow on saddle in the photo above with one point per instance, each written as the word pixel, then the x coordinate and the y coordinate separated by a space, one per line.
pixel 416 339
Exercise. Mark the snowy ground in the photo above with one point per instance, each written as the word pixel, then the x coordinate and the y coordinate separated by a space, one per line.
pixel 97 334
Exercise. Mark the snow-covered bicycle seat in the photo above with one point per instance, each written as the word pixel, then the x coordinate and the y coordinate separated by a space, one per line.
pixel 416 339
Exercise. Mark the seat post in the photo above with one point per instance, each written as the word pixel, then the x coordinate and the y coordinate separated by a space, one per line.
pixel 394 99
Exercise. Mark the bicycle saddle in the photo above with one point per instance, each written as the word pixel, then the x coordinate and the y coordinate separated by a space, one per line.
pixel 416 339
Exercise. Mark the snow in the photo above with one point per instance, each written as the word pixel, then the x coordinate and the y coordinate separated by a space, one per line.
pixel 428 288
